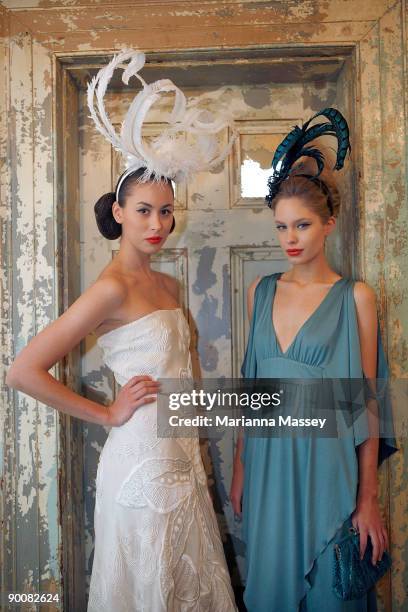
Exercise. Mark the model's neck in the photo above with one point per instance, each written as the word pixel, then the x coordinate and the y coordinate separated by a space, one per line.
pixel 317 271
pixel 133 261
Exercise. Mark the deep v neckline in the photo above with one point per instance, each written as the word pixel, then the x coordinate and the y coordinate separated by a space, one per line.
pixel 305 323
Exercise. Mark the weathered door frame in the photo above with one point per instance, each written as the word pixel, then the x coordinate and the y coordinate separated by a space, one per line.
pixel 67 264
pixel 31 200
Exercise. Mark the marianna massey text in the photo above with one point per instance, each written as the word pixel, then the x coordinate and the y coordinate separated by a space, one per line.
pixel 243 421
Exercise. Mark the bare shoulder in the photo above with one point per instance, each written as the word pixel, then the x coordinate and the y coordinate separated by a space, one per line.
pixel 51 344
pixel 97 303
pixel 171 284
pixel 93 306
pixel 364 295
pixel 367 322
pixel 112 286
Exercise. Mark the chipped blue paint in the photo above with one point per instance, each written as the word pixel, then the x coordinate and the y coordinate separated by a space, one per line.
pixel 205 277
pixel 211 327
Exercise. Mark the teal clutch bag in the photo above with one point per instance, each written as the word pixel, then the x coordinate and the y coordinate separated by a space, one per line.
pixel 352 576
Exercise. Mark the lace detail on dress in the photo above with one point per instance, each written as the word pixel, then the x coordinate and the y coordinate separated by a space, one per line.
pixel 157 543
pixel 163 484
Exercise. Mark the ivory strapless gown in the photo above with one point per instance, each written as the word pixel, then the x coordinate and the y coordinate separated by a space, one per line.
pixel 157 544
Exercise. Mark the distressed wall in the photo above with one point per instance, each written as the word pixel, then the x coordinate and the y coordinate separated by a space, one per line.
pixel 36 36
pixel 31 437
pixel 5 483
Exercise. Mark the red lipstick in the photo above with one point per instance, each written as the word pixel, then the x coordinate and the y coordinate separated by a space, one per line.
pixel 294 252
pixel 154 239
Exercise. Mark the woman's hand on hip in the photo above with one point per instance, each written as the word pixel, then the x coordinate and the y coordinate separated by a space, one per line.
pixel 138 391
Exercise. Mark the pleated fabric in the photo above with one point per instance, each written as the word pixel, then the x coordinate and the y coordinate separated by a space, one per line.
pixel 300 491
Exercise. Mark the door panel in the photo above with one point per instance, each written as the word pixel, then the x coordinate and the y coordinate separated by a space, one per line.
pixel 224 238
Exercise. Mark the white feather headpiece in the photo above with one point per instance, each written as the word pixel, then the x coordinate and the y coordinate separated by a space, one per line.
pixel 171 154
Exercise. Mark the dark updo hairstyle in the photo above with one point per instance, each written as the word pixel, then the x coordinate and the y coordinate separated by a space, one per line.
pixel 105 220
pixel 319 194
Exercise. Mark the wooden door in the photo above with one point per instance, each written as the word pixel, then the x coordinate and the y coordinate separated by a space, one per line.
pixel 224 238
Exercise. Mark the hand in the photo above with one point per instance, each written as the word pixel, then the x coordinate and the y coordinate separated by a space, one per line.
pixel 237 486
pixel 367 519
pixel 135 393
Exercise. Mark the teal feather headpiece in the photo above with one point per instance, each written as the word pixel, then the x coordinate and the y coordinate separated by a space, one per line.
pixel 293 146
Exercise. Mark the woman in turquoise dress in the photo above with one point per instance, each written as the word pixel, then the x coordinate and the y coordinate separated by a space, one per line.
pixel 299 494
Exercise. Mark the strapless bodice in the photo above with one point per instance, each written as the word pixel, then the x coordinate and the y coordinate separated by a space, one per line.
pixel 156 345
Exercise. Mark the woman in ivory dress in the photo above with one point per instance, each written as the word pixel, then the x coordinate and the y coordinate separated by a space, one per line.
pixel 157 544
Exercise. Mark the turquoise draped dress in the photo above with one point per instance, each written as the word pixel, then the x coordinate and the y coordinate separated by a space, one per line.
pixel 299 492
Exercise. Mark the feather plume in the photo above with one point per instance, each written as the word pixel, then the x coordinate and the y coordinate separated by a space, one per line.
pixel 188 143
pixel 293 147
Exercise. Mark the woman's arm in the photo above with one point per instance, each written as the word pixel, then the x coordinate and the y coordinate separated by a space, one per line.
pixel 29 372
pixel 367 516
pixel 251 296
pixel 237 484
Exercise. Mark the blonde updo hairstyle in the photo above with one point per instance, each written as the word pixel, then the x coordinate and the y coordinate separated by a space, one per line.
pixel 319 195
